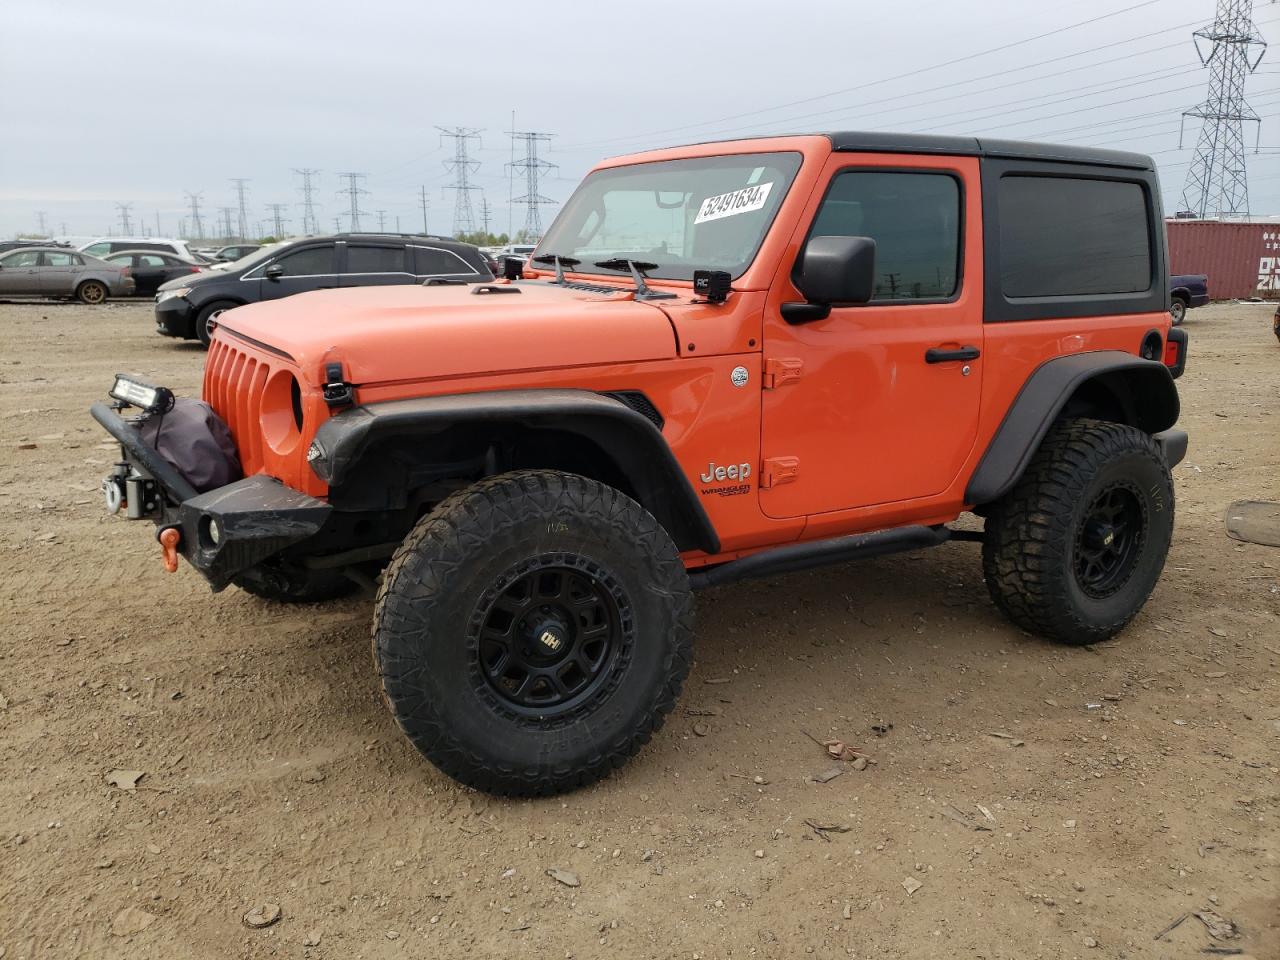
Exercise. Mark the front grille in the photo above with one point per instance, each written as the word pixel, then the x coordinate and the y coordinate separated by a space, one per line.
pixel 233 386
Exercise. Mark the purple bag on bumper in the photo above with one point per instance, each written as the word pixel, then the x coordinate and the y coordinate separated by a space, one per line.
pixel 195 442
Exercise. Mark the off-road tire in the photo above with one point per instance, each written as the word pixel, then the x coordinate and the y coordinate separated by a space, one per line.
pixel 433 621
pixel 92 292
pixel 1036 536
pixel 294 584
pixel 208 312
pixel 1178 310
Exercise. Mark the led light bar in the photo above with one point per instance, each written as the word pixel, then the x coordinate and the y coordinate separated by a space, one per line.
pixel 137 393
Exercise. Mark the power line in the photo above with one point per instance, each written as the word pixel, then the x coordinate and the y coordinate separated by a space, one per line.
pixel 353 191
pixel 197 225
pixel 462 167
pixel 533 167
pixel 244 216
pixel 310 225
pixel 277 216
pixel 1217 182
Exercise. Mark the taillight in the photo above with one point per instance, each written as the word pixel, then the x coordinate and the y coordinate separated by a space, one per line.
pixel 195 269
pixel 1175 351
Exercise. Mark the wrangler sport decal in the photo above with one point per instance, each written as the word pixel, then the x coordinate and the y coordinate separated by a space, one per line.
pixel 733 203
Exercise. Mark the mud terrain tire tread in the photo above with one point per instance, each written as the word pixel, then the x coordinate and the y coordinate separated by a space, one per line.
pixel 1027 554
pixel 432 577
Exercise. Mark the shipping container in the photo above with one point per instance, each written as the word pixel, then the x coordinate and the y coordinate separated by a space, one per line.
pixel 1240 259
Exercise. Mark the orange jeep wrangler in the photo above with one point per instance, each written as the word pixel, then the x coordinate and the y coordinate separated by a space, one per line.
pixel 723 361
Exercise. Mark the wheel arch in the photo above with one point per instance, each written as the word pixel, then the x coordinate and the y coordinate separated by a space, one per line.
pixel 1105 385
pixel 372 455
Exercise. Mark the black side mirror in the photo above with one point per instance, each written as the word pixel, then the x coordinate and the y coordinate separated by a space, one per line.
pixel 833 270
pixel 273 272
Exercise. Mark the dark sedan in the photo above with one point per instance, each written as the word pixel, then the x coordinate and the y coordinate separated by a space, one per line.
pixel 185 307
pixel 150 269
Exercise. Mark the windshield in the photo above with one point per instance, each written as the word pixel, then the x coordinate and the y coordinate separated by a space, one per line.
pixel 680 215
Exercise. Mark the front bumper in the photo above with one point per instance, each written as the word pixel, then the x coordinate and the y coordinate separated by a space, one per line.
pixel 224 531
pixel 176 317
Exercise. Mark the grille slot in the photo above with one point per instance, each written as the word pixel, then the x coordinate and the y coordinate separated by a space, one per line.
pixel 233 385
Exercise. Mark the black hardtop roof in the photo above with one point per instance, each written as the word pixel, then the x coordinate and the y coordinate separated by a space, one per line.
pixel 872 142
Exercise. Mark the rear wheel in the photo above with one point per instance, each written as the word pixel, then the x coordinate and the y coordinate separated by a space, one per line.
pixel 91 291
pixel 1178 310
pixel 207 315
pixel 1074 551
pixel 533 631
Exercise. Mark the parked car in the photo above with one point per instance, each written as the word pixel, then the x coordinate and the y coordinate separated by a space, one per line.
pixel 151 268
pixel 1187 291
pixel 513 251
pixel 19 244
pixel 105 245
pixel 59 272
pixel 185 308
pixel 235 251
pixel 809 349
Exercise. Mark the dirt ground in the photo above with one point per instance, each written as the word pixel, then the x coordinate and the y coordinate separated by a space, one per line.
pixel 1041 801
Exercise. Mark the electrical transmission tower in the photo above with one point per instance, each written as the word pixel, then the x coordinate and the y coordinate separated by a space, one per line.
pixel 125 223
pixel 278 218
pixel 354 190
pixel 226 221
pixel 532 166
pixel 461 166
pixel 310 225
pixel 243 220
pixel 40 218
pixel 382 221
pixel 197 226
pixel 1217 183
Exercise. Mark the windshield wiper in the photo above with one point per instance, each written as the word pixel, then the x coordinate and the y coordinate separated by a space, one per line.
pixel 555 258
pixel 637 268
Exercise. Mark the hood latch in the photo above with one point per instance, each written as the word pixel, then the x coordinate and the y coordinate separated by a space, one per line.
pixel 337 391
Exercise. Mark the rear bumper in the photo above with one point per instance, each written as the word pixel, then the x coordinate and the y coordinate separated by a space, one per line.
pixel 176 317
pixel 227 530
pixel 1172 444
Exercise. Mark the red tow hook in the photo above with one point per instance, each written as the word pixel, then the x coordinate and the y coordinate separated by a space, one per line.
pixel 169 539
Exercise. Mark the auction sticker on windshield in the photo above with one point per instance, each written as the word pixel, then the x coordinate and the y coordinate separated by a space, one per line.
pixel 733 203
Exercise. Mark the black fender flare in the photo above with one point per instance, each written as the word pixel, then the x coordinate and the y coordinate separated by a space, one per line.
pixel 634 443
pixel 1145 386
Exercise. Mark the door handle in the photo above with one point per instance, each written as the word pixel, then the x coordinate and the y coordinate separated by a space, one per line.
pixel 939 355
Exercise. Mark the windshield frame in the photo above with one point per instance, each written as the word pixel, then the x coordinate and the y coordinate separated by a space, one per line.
pixel 790 159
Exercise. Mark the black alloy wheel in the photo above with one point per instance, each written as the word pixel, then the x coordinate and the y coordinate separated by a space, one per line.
pixel 1109 540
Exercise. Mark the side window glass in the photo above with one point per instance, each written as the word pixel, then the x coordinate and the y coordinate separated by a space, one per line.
pixel 150 260
pixel 914 218
pixel 310 262
pixel 57 259
pixel 366 259
pixel 98 249
pixel 433 262
pixel 26 258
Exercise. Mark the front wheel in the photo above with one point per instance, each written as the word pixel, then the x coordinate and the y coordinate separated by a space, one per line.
pixel 533 632
pixel 205 319
pixel 92 292
pixel 1074 551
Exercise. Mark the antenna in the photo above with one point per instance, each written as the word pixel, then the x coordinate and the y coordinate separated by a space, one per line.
pixel 462 166
pixel 1217 182
pixel 532 166
pixel 353 190
pixel 310 226
pixel 244 216
pixel 197 227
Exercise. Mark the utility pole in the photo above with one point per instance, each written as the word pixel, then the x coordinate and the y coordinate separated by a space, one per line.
pixel 125 223
pixel 461 166
pixel 310 225
pixel 40 215
pixel 244 216
pixel 226 221
pixel 65 232
pixel 159 232
pixel 353 191
pixel 337 224
pixel 532 166
pixel 277 211
pixel 425 203
pixel 197 228
pixel 382 221
pixel 484 213
pixel 1217 182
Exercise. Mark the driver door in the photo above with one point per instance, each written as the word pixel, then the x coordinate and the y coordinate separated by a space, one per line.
pixel 873 404
pixel 309 268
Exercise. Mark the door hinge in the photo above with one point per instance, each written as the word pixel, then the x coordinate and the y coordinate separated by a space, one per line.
pixel 781 371
pixel 778 470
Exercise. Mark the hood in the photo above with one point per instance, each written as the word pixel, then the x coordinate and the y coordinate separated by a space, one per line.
pixel 411 332
pixel 192 279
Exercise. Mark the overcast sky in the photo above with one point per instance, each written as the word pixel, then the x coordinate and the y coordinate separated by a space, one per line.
pixel 118 103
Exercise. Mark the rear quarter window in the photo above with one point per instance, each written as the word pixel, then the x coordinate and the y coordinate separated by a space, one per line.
pixel 1063 237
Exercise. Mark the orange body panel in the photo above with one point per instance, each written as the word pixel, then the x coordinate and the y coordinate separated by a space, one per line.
pixel 877 437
